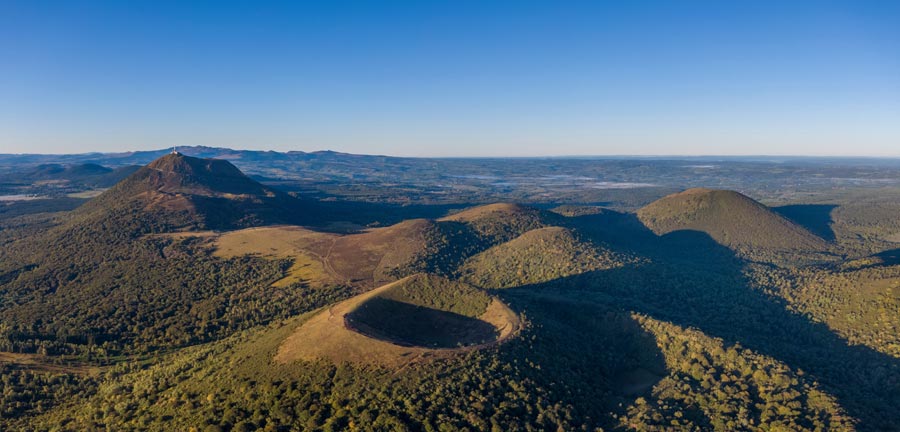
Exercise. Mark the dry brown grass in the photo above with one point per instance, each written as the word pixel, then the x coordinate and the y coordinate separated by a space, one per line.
pixel 326 336
pixel 185 234
pixel 368 257
pixel 307 248
pixel 480 212
pixel 364 259
pixel 40 363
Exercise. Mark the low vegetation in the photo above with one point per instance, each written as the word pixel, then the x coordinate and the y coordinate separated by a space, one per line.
pixel 733 220
pixel 712 386
pixel 539 255
pixel 425 311
pixel 187 297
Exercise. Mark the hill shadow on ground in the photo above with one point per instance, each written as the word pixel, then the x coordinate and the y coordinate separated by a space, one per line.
pixel 597 351
pixel 407 324
pixel 693 281
pixel 814 217
pixel 889 257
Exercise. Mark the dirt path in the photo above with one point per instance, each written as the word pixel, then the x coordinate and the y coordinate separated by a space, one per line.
pixel 327 264
pixel 40 363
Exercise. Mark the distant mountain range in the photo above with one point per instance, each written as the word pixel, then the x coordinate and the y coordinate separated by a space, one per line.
pixel 142 157
pixel 145 157
pixel 203 296
pixel 83 174
pixel 618 182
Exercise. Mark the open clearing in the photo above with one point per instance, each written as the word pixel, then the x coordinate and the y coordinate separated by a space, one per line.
pixel 364 259
pixel 309 250
pixel 39 363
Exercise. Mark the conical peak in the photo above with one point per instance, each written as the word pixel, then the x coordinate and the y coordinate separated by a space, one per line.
pixel 178 163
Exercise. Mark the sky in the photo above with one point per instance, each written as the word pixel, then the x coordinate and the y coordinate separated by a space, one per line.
pixel 453 78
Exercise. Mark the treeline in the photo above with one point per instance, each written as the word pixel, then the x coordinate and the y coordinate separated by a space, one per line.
pixel 99 286
pixel 30 392
pixel 711 386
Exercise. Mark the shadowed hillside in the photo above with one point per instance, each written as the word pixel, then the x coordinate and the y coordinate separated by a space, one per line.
pixel 96 285
pixel 425 311
pixel 814 217
pixel 496 223
pixel 199 193
pixel 82 175
pixel 732 220
pixel 376 256
pixel 696 354
pixel 725 303
pixel 412 320
pixel 620 321
pixel 538 255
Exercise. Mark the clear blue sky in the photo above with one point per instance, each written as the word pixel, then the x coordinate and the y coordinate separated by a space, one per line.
pixel 459 78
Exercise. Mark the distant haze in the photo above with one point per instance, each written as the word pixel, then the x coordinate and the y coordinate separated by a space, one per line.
pixel 461 78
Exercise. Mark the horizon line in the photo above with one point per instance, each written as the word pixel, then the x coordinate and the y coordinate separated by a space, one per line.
pixel 557 156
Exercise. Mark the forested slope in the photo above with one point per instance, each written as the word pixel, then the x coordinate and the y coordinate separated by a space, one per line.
pixel 672 319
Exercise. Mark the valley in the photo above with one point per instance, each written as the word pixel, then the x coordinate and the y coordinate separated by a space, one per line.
pixel 449 216
pixel 188 295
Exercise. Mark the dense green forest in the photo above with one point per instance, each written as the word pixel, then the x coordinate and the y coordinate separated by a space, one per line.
pixel 121 315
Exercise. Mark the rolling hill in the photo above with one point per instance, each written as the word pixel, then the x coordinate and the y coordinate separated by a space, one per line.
pixel 539 255
pixel 376 256
pixel 497 223
pixel 731 219
pixel 200 193
pixel 153 288
pixel 414 319
pixel 364 259
pixel 191 296
pixel 83 174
